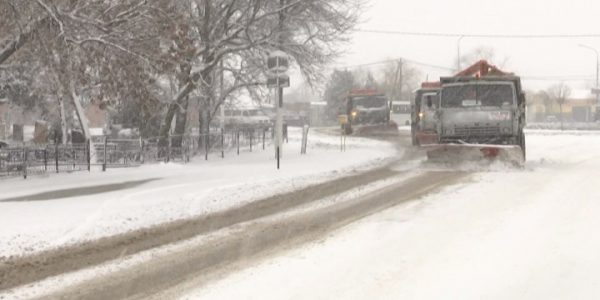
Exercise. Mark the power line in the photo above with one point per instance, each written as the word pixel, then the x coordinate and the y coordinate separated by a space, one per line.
pixel 524 77
pixel 395 60
pixel 503 36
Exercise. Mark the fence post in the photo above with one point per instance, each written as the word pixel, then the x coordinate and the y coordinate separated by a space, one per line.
pixel 169 149
pixel 141 150
pixel 105 156
pixel 263 137
pixel 189 149
pixel 304 139
pixel 237 141
pixel 222 143
pixel 89 154
pixel 73 154
pixel 46 159
pixel 206 146
pixel 251 134
pixel 56 155
pixel 24 162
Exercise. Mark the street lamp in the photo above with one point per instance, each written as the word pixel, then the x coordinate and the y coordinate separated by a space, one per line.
pixel 597 90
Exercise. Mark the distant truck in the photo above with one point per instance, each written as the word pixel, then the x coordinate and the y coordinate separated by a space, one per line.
pixel 481 113
pixel 366 107
pixel 423 114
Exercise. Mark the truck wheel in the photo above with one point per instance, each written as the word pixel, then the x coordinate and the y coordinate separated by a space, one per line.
pixel 523 144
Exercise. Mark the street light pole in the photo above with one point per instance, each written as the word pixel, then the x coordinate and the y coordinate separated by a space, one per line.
pixel 597 92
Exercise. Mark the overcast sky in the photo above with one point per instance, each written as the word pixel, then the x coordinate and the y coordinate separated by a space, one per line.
pixel 548 58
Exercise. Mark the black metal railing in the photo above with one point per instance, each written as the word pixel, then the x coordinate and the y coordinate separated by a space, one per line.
pixel 106 152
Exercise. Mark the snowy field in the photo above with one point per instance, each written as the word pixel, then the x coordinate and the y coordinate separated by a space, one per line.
pixel 155 194
pixel 509 234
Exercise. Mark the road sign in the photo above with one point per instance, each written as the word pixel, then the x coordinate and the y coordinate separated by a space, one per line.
pixel 278 62
pixel 280 81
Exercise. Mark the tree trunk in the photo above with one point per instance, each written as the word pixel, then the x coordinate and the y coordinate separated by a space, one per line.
pixel 166 127
pixel 205 107
pixel 63 120
pixel 83 120
pixel 180 123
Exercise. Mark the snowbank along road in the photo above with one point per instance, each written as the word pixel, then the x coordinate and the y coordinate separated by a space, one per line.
pixel 257 241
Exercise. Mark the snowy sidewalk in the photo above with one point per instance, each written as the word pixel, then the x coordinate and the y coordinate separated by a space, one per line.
pixel 71 208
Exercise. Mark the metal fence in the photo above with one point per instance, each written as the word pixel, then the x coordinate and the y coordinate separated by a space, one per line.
pixel 107 153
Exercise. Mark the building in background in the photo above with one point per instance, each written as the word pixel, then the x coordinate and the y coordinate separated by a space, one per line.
pixel 579 107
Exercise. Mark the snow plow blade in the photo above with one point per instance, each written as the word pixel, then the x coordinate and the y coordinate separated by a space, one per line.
pixel 458 153
pixel 376 129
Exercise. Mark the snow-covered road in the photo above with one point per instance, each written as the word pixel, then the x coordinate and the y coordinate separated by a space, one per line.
pixel 508 234
pixel 155 194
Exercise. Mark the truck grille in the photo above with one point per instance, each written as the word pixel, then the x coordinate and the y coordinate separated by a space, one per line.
pixel 477 131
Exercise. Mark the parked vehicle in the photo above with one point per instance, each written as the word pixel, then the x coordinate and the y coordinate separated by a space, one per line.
pixel 400 113
pixel 245 118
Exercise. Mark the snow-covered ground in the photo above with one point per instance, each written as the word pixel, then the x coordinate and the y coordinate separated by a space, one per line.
pixel 166 192
pixel 509 234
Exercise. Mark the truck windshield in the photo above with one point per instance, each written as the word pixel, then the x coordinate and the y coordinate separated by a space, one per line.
pixel 369 102
pixel 477 95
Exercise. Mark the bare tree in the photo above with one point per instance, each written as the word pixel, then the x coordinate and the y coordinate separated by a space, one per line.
pixel 233 38
pixel 559 93
pixel 71 44
pixel 116 51
pixel 399 79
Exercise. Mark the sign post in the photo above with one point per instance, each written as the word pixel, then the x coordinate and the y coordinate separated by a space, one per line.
pixel 343 120
pixel 278 64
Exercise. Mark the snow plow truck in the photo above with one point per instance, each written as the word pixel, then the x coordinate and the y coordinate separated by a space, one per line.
pixel 368 112
pixel 423 114
pixel 480 115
